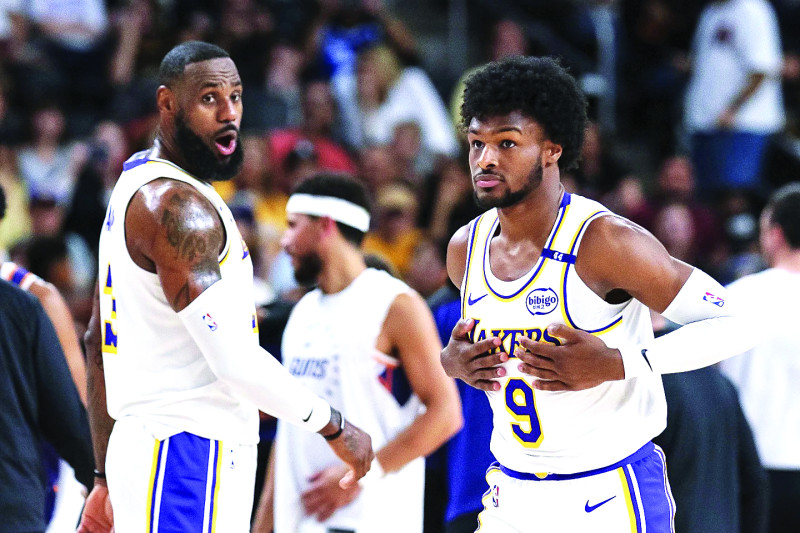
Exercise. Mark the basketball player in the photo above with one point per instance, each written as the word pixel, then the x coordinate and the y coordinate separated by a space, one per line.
pixel 366 341
pixel 555 326
pixel 183 371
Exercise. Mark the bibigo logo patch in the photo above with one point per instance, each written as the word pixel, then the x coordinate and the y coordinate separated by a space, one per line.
pixel 541 301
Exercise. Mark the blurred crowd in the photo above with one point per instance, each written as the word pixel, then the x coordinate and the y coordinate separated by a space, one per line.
pixel 347 86
pixel 342 85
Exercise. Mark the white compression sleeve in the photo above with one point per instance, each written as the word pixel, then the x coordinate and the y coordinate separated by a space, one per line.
pixel 220 322
pixel 714 330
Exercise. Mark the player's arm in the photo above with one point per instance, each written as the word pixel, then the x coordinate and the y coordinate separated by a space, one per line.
pixel 97 514
pixel 264 520
pixel 412 332
pixel 462 359
pixel 620 258
pixel 409 334
pixel 176 232
pixel 59 314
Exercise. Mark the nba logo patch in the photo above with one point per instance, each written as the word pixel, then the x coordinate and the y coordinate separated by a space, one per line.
pixel 212 325
pixel 495 496
pixel 716 300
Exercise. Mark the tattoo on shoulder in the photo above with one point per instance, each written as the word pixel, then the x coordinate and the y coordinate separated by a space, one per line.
pixel 190 243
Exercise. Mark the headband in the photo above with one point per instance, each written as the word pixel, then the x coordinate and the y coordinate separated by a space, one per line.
pixel 338 209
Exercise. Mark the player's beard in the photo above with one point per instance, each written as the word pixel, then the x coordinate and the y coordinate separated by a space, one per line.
pixel 309 267
pixel 200 159
pixel 512 197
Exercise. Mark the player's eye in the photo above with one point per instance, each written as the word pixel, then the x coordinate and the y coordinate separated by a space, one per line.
pixel 236 97
pixel 477 144
pixel 507 144
pixel 208 98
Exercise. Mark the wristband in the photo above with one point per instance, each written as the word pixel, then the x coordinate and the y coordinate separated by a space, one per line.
pixel 99 474
pixel 335 435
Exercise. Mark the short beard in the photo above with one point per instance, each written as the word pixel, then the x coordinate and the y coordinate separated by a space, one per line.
pixel 200 160
pixel 308 269
pixel 512 197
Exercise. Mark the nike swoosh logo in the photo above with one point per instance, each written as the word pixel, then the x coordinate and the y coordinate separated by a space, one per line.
pixel 590 508
pixel 644 354
pixel 471 301
pixel 306 419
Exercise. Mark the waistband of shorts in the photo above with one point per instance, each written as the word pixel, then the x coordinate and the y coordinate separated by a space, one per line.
pixel 527 476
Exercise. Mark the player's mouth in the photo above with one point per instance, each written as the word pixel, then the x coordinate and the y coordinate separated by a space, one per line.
pixel 225 142
pixel 486 181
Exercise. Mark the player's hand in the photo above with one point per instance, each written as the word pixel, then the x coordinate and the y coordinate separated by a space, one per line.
pixel 324 496
pixel 581 362
pixel 472 363
pixel 354 447
pixel 97 516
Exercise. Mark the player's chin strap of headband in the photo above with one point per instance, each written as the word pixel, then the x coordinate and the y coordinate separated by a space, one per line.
pixel 338 209
pixel 715 328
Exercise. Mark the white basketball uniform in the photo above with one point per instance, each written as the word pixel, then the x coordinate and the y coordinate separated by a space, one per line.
pixel 329 344
pixel 564 437
pixel 182 453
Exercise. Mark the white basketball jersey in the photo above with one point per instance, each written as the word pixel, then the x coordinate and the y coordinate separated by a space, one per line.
pixel 558 432
pixel 153 368
pixel 329 344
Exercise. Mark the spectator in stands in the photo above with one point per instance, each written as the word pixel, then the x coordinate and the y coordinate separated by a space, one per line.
pixel 389 94
pixel 731 122
pixel 318 128
pixel 394 235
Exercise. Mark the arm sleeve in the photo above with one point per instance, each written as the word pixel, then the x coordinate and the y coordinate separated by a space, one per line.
pixel 62 417
pixel 713 329
pixel 220 322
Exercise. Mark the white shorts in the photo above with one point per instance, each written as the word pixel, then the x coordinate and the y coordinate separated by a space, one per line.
pixel 182 484
pixel 630 496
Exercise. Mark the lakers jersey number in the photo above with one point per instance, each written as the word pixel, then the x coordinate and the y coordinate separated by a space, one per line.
pixel 153 368
pixel 558 432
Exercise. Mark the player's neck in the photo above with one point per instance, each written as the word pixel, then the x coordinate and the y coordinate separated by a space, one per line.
pixel 789 261
pixel 164 147
pixel 340 268
pixel 533 218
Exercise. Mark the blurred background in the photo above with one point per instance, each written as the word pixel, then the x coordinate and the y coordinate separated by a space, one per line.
pixel 372 88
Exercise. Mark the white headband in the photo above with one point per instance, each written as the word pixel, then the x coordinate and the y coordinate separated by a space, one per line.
pixel 338 209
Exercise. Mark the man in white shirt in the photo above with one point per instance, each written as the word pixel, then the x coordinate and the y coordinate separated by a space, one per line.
pixel 767 375
pixel 734 101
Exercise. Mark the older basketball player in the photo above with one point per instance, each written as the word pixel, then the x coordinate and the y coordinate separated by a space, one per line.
pixel 183 371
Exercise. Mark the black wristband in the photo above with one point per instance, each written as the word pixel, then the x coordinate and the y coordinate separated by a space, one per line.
pixel 335 435
pixel 99 474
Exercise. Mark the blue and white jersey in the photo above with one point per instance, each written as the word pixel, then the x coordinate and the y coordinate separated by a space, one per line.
pixel 154 370
pixel 558 432
pixel 330 345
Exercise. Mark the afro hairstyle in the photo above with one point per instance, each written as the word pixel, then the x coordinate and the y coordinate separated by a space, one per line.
pixel 539 88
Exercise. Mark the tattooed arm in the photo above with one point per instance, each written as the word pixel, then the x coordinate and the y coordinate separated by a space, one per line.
pixel 172 230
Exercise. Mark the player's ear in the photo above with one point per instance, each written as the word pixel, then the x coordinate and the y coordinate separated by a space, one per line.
pixel 328 225
pixel 165 100
pixel 551 152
